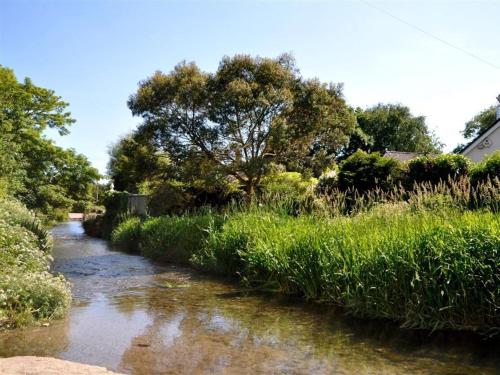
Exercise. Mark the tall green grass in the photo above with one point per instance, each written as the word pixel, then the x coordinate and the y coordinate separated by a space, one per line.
pixel 167 238
pixel 428 259
pixel 425 269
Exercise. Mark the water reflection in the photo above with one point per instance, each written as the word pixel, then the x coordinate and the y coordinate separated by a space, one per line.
pixel 39 341
pixel 137 317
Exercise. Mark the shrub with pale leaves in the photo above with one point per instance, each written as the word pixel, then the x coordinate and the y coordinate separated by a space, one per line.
pixel 28 291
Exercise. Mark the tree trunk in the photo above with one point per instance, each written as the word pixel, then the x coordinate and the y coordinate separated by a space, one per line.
pixel 250 188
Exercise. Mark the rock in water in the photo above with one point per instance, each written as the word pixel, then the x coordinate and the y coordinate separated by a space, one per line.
pixel 47 366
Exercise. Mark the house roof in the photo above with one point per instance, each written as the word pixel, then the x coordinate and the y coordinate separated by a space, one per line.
pixel 481 135
pixel 401 155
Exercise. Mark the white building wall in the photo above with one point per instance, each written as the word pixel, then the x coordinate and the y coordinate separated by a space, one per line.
pixel 486 146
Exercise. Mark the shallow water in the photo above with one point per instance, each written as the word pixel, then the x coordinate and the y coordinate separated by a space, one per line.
pixel 134 316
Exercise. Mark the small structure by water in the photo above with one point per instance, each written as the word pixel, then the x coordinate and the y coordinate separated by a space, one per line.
pixel 137 204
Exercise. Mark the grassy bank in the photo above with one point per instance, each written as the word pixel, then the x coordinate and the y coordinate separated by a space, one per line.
pixel 430 269
pixel 28 291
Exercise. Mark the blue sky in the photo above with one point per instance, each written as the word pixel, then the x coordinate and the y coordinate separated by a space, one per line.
pixel 93 53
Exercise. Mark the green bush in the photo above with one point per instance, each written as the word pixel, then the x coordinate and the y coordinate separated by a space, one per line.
pixel 364 172
pixel 288 184
pixel 28 297
pixel 169 197
pixel 328 182
pixel 28 292
pixel 115 203
pixel 435 169
pixel 116 211
pixel 288 192
pixel 489 168
pixel 83 206
pixel 50 202
pixel 173 238
pixel 94 225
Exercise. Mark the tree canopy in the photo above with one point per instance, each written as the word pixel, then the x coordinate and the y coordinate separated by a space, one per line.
pixel 132 161
pixel 32 168
pixel 250 113
pixel 392 127
pixel 479 123
pixel 475 126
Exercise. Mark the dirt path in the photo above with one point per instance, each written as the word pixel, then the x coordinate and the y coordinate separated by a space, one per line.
pixel 47 366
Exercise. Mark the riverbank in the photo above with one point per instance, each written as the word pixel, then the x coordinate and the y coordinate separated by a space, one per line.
pixel 29 293
pixel 45 366
pixel 135 316
pixel 427 269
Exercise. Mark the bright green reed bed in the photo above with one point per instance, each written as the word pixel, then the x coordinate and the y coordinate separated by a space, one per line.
pixel 430 269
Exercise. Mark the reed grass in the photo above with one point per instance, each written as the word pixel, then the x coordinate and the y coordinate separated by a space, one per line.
pixel 167 238
pixel 430 270
pixel 428 258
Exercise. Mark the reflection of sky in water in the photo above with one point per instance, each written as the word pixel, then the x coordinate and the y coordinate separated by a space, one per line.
pixel 219 323
pixel 170 330
pixel 102 344
pixel 133 316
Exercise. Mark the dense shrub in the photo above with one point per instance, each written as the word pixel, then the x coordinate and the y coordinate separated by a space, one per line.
pixel 169 197
pixel 328 182
pixel 95 226
pixel 364 172
pixel 27 297
pixel 115 202
pixel 116 211
pixel 28 292
pixel 435 169
pixel 291 184
pixel 489 168
pixel 426 257
pixel 175 238
pixel 288 192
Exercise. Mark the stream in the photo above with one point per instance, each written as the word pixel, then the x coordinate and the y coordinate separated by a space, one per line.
pixel 137 317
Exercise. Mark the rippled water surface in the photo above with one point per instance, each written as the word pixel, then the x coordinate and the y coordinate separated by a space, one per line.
pixel 133 316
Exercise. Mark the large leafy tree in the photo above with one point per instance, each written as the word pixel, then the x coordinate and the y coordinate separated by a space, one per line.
pixel 249 113
pixel 27 110
pixel 392 127
pixel 479 123
pixel 322 124
pixel 32 167
pixel 134 160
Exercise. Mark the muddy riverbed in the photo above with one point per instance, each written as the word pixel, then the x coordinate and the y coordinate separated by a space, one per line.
pixel 133 316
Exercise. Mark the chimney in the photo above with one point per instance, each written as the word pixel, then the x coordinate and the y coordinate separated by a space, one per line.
pixel 498 108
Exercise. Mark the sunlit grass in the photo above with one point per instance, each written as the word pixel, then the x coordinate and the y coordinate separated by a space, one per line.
pixel 430 260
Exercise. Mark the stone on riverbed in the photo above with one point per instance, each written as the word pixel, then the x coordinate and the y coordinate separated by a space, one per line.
pixel 47 366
